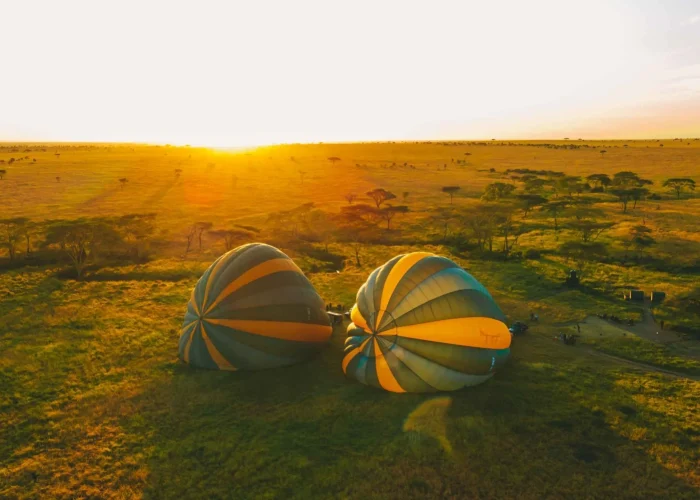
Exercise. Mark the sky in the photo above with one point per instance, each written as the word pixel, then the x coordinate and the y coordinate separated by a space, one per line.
pixel 241 73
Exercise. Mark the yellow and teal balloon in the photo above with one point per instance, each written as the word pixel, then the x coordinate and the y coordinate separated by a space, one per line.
pixel 423 324
pixel 253 309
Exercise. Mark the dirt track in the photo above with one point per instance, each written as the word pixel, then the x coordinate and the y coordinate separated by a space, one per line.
pixel 642 366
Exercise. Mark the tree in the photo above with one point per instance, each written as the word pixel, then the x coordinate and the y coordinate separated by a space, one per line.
pixel 602 152
pixel 599 180
pixel 178 172
pixel 191 235
pixel 640 238
pixel 534 185
pixel 123 181
pixel 679 184
pixel 58 179
pixel 497 191
pixel 320 227
pixel 2 174
pixel 628 186
pixel 350 197
pixel 81 239
pixel 229 237
pixel 569 184
pixel 623 195
pixel 555 209
pixel 508 228
pixel 291 223
pixel 333 159
pixel 443 217
pixel 482 222
pixel 195 232
pixel 380 195
pixel 582 255
pixel 638 193
pixel 12 231
pixel 451 190
pixel 356 225
pixel 136 231
pixel 390 211
pixel 405 195
pixel 589 229
pixel 27 230
pixel 627 179
pixel 529 201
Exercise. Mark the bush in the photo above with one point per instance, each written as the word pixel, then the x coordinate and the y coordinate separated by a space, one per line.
pixel 654 196
pixel 532 254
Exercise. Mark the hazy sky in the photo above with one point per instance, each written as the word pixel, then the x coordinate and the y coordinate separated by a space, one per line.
pixel 251 72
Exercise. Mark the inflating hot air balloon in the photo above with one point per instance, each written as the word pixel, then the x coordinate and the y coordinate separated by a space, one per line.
pixel 423 324
pixel 253 309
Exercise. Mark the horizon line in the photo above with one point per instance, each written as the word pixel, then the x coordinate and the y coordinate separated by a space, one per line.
pixel 313 143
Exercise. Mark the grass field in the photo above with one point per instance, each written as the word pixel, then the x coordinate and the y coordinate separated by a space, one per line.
pixel 94 402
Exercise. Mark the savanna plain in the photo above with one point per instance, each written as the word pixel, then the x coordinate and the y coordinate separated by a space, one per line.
pixel 101 245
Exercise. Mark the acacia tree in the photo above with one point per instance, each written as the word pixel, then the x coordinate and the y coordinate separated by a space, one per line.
pixel 679 184
pixel 628 186
pixel 640 238
pixel 229 237
pixel 599 180
pixel 555 209
pixel 443 217
pixel 356 226
pixel 123 182
pixel 136 231
pixel 529 201
pixel 12 231
pixel 2 174
pixel 637 194
pixel 583 255
pixel 191 235
pixel 333 159
pixel 569 184
pixel 508 228
pixel 81 239
pixel 350 197
pixel 380 195
pixel 320 227
pixel 482 222
pixel 534 184
pixel 200 228
pixel 390 211
pixel 497 191
pixel 451 190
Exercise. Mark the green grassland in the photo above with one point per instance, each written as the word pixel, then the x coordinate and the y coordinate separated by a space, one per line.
pixel 94 403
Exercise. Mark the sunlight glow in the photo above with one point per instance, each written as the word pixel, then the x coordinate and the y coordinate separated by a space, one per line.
pixel 244 73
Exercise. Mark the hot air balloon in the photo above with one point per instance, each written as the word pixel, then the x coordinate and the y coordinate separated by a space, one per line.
pixel 253 309
pixel 423 324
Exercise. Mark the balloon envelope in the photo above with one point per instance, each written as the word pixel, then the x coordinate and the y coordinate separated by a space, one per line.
pixel 253 309
pixel 423 324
